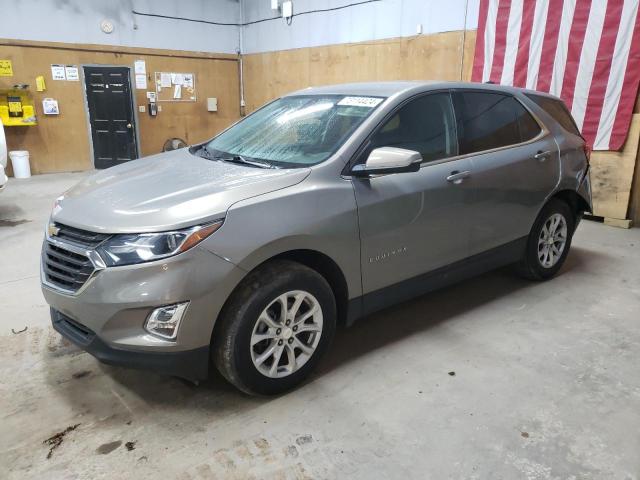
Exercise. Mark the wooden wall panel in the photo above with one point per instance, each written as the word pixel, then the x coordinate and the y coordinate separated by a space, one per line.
pixel 612 175
pixel 61 143
pixel 425 57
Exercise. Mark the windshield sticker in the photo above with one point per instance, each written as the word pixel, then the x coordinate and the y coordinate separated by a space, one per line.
pixel 368 102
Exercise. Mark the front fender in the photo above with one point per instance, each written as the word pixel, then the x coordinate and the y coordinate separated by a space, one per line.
pixel 314 215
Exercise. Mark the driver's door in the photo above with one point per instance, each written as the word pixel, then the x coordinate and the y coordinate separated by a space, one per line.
pixel 416 222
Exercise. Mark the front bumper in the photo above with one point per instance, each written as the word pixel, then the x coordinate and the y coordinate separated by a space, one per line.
pixel 189 364
pixel 114 304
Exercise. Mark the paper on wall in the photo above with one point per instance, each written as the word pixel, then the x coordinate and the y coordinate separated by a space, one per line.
pixel 140 67
pixel 50 106
pixel 141 81
pixel 151 96
pixel 177 92
pixel 6 68
pixel 72 73
pixel 165 80
pixel 188 80
pixel 58 72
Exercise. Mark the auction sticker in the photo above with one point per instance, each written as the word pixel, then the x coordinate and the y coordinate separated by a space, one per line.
pixel 368 102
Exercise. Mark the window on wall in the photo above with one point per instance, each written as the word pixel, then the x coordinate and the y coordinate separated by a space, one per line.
pixel 425 125
pixel 488 120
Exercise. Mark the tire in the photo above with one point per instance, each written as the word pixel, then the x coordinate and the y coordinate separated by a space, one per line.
pixel 535 265
pixel 254 310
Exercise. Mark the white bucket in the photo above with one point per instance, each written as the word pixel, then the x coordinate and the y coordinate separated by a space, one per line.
pixel 20 163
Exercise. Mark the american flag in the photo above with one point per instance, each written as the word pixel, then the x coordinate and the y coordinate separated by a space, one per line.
pixel 586 52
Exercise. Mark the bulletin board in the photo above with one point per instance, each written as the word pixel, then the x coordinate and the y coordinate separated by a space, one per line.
pixel 175 87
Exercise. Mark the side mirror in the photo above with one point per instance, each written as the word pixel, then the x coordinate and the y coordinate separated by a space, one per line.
pixel 388 160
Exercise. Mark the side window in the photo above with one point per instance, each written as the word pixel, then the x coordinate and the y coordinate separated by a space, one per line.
pixel 486 120
pixel 529 128
pixel 558 110
pixel 425 125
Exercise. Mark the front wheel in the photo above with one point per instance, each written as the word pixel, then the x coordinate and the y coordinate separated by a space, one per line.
pixel 549 241
pixel 275 328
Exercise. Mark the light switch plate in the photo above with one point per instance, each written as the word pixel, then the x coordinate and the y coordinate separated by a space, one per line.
pixel 142 108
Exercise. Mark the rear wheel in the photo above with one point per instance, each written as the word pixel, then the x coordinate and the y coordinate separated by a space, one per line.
pixel 275 328
pixel 549 241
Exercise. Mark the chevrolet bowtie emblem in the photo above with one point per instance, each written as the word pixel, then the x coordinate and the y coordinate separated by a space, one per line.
pixel 52 230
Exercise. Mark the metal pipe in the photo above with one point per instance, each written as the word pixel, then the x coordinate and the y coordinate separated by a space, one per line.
pixel 240 62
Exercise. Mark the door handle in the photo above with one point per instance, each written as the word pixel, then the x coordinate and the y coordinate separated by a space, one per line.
pixel 128 125
pixel 457 177
pixel 542 156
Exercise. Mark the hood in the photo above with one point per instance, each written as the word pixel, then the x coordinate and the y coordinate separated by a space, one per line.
pixel 164 192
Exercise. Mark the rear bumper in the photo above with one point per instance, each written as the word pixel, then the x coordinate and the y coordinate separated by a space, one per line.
pixel 189 364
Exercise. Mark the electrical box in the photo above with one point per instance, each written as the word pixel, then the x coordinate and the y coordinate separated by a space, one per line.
pixel 212 104
pixel 287 9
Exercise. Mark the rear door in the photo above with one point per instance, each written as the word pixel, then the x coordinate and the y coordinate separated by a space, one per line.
pixel 515 166
pixel 110 104
pixel 411 223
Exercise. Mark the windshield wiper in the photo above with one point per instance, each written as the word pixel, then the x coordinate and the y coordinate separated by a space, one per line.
pixel 245 161
pixel 204 152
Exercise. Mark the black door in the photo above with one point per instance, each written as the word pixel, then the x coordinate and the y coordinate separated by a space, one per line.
pixel 113 129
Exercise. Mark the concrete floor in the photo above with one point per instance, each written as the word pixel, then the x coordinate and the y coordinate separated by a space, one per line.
pixel 546 384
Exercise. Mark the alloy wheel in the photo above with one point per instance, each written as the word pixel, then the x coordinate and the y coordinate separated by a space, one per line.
pixel 286 334
pixel 552 240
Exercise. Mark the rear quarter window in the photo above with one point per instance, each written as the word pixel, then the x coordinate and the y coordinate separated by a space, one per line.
pixel 557 110
pixel 488 120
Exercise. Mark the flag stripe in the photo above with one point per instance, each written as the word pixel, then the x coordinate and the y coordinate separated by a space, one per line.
pixel 629 90
pixel 524 44
pixel 502 24
pixel 489 39
pixel 587 62
pixel 601 71
pixel 538 31
pixel 513 37
pixel 478 60
pixel 550 43
pixel 574 50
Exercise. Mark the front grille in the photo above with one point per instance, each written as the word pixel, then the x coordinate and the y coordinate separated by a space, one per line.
pixel 65 269
pixel 82 238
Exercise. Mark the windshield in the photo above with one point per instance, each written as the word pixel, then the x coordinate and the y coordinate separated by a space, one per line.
pixel 295 131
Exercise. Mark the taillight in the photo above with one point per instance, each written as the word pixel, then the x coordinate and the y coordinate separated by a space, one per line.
pixel 587 152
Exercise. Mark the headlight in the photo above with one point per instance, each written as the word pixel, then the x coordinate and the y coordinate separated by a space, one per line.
pixel 127 249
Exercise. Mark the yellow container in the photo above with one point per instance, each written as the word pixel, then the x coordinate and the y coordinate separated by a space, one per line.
pixel 19 110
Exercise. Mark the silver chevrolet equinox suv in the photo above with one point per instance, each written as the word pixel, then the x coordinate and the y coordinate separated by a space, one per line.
pixel 245 252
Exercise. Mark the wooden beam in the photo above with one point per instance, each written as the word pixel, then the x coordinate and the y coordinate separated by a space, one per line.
pixel 118 49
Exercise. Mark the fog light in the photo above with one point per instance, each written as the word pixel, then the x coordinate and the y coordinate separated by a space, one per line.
pixel 164 321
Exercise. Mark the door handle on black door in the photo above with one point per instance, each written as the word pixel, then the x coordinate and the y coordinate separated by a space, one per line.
pixel 457 177
pixel 542 156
